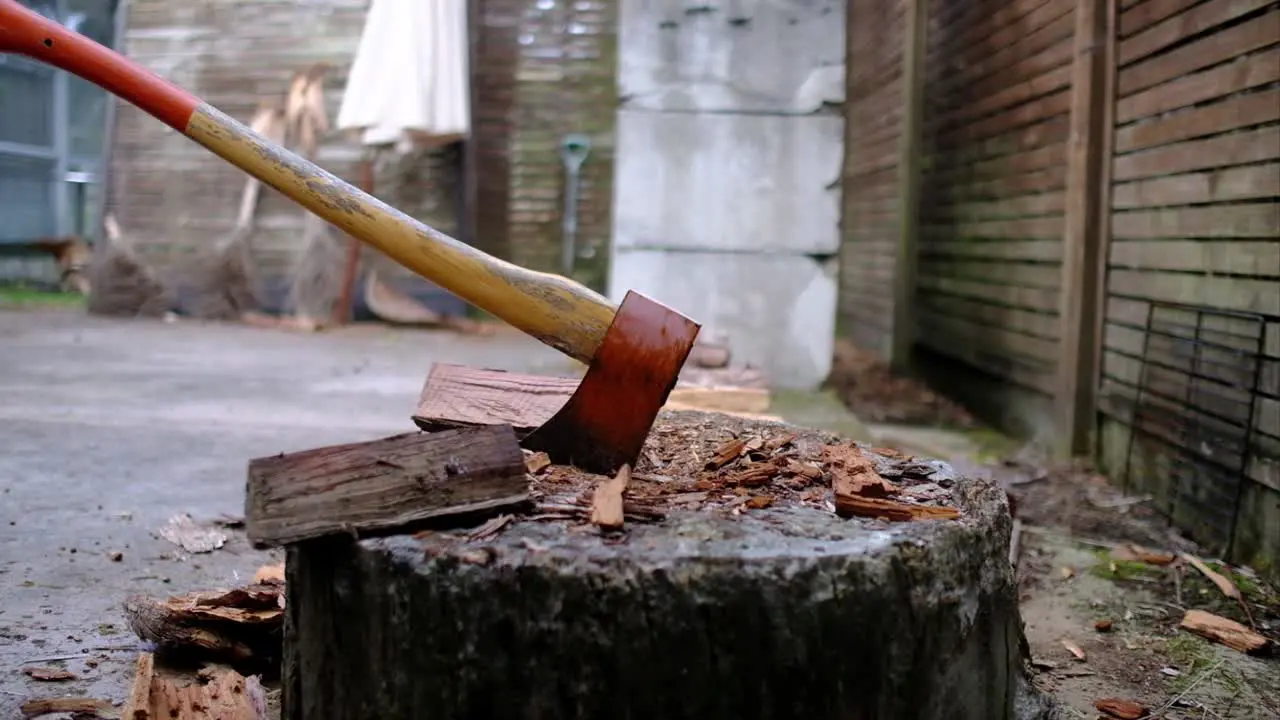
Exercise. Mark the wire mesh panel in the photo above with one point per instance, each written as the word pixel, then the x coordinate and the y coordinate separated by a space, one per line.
pixel 1196 395
pixel 28 161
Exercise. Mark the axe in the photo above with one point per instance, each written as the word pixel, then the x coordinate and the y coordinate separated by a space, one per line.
pixel 634 351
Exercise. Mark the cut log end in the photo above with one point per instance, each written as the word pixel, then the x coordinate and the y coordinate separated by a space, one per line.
pixel 739 610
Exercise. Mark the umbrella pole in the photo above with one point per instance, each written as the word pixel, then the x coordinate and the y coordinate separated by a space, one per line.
pixel 342 308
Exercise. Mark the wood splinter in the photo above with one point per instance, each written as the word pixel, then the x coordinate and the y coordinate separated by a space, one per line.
pixel 606 504
pixel 385 485
pixel 220 693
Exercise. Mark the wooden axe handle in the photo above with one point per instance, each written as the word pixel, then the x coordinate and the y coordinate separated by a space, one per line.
pixel 554 309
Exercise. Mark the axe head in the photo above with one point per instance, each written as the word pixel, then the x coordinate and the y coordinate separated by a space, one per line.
pixel 605 422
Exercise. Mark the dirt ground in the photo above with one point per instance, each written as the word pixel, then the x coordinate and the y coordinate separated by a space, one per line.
pixel 1076 569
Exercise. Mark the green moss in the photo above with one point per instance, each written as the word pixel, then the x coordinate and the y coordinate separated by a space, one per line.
pixel 821 410
pixel 991 445
pixel 1109 568
pixel 22 296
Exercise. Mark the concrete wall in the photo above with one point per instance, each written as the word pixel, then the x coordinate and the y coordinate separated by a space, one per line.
pixel 728 160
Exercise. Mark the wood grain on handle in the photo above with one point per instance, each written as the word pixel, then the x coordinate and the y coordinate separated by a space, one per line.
pixel 554 309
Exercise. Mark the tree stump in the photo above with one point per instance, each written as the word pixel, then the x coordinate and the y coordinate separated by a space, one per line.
pixel 716 600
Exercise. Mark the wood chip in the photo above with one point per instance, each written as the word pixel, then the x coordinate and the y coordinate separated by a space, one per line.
pixel 780 442
pixel 726 454
pixel 1122 709
pixel 1224 584
pixel 491 528
pixel 754 475
pixel 893 510
pixel 854 473
pixel 1151 557
pixel 606 501
pixel 269 575
pixel 138 705
pixel 218 692
pixel 80 707
pixel 48 674
pixel 1224 631
pixel 803 470
pixel 536 462
pixel 1074 649
pixel 183 531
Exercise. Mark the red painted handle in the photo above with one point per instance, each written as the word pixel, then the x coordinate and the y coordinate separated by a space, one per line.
pixel 26 32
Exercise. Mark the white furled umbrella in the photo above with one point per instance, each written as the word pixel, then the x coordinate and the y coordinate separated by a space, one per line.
pixel 410 79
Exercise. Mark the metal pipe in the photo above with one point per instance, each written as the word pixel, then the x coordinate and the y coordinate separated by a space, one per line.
pixel 573 152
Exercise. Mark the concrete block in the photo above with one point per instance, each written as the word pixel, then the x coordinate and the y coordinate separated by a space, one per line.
pixel 777 311
pixel 727 182
pixel 726 54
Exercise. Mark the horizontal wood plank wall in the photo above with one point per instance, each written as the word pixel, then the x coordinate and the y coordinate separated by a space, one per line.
pixel 1196 205
pixel 173 198
pixel 997 106
pixel 871 221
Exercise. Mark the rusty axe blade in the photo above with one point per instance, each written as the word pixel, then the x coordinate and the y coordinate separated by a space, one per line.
pixel 605 422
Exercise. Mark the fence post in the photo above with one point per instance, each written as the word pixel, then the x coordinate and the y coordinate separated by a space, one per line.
pixel 908 246
pixel 1087 226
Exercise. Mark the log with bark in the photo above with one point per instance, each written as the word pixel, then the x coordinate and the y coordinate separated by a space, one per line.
pixel 732 589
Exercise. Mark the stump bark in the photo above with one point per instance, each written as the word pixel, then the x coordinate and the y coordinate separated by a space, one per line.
pixel 788 611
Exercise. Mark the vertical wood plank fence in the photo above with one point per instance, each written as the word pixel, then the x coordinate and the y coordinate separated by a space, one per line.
pixel 1083 166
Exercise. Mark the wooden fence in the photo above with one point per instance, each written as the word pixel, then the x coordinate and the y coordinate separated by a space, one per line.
pixel 543 70
pixel 1070 170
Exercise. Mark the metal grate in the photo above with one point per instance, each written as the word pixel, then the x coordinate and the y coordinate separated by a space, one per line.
pixel 1197 395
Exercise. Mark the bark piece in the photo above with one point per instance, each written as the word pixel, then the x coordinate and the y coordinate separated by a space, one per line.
pixel 1074 649
pixel 77 706
pixel 894 510
pixel 216 694
pixel 853 473
pixel 384 485
pixel 48 674
pixel 240 625
pixel 1120 708
pixel 727 453
pixel 536 462
pixel 606 502
pixel 754 475
pixel 1224 631
pixel 668 624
